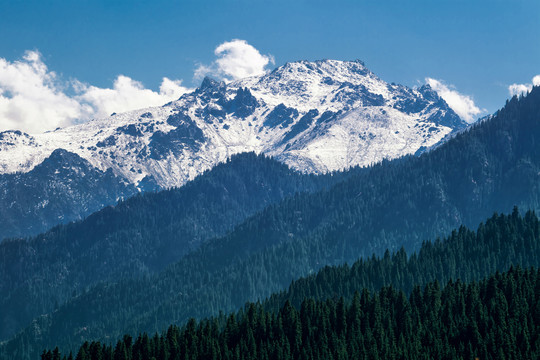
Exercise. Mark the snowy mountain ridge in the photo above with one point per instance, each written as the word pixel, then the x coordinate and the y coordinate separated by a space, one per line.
pixel 314 116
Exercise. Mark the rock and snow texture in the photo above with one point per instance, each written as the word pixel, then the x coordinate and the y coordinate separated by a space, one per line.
pixel 314 116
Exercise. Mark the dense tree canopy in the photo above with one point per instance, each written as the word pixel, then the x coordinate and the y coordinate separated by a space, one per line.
pixel 497 318
pixel 501 242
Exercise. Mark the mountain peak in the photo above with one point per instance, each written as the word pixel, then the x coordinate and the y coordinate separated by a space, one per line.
pixel 323 68
pixel 210 83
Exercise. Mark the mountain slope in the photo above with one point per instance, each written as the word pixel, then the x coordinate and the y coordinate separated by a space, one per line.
pixel 494 318
pixel 314 116
pixel 499 243
pixel 64 187
pixel 140 235
pixel 465 255
pixel 490 167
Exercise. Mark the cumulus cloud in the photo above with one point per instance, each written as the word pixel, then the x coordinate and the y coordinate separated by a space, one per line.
pixel 463 105
pixel 31 97
pixel 127 94
pixel 523 89
pixel 34 99
pixel 519 89
pixel 236 59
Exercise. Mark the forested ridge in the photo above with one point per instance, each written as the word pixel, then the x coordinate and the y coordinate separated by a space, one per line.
pixel 498 243
pixel 496 318
pixel 501 242
pixel 140 235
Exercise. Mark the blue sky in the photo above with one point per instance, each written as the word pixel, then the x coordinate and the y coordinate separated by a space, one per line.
pixel 478 47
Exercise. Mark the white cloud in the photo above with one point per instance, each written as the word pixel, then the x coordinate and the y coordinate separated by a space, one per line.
pixel 127 94
pixel 236 59
pixel 523 89
pixel 172 88
pixel 34 99
pixel 463 105
pixel 31 98
pixel 519 89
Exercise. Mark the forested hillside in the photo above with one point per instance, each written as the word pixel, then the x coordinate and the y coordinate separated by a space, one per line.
pixel 496 318
pixel 499 243
pixel 502 242
pixel 140 235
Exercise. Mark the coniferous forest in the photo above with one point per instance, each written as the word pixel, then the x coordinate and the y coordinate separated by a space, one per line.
pixel 395 281
pixel 495 318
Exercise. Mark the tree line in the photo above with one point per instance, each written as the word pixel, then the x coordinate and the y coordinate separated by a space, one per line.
pixel 496 318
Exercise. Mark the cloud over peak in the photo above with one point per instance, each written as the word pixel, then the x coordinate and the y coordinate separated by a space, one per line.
pixel 463 105
pixel 34 99
pixel 236 59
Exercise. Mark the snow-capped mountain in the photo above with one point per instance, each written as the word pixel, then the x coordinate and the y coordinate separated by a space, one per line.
pixel 314 116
